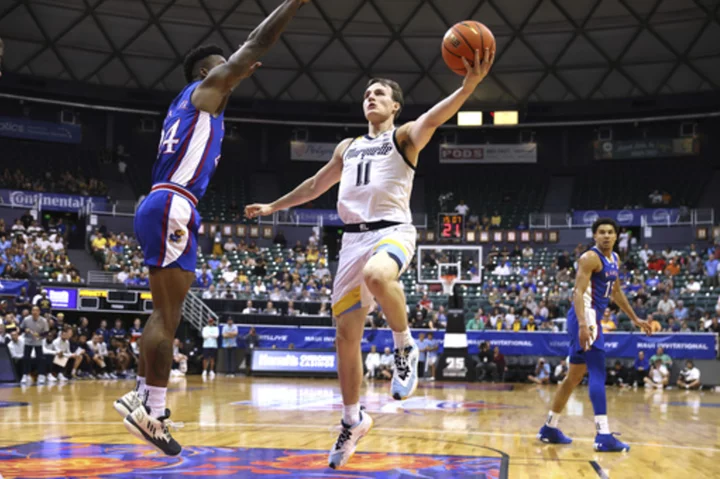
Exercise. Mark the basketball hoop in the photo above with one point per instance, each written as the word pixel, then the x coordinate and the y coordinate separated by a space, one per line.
pixel 448 281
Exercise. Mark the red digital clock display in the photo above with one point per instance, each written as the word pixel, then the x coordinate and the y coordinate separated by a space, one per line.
pixel 451 225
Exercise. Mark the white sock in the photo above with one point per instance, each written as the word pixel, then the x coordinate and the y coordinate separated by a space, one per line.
pixel 402 339
pixel 601 424
pixel 155 400
pixel 140 386
pixel 553 419
pixel 351 414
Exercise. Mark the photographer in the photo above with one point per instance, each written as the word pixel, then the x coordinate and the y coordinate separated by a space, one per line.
pixel 689 376
pixel 542 372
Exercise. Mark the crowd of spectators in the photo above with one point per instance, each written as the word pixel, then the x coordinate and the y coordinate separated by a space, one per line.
pixel 32 251
pixel 66 182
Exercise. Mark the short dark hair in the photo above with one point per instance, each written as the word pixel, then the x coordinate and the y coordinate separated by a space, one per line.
pixel 397 93
pixel 604 221
pixel 195 56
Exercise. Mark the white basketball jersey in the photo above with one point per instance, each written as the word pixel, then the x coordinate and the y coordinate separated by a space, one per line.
pixel 376 181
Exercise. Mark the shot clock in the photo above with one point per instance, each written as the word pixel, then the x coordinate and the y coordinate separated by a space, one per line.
pixel 451 226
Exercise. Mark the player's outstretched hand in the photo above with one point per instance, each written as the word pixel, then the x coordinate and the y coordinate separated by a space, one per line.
pixel 477 72
pixel 257 209
pixel 644 326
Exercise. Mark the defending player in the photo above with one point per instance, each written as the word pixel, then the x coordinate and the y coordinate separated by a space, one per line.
pixel 595 284
pixel 376 173
pixel 166 223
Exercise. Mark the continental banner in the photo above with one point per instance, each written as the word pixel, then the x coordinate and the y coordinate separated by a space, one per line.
pixel 659 148
pixel 478 154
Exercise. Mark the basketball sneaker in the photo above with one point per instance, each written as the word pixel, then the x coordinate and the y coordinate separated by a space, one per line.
pixel 405 376
pixel 552 435
pixel 128 403
pixel 348 439
pixel 609 443
pixel 154 431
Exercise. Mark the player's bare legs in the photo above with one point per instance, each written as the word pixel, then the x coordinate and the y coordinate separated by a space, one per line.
pixel 354 425
pixel 576 373
pixel 381 278
pixel 349 336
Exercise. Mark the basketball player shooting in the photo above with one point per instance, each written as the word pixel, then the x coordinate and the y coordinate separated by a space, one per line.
pixel 375 173
pixel 167 222
pixel 596 284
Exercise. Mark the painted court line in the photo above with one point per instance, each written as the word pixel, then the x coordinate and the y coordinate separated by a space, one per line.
pixel 325 428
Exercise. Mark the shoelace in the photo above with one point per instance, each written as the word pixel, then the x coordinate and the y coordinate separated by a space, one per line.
pixel 167 425
pixel 401 364
pixel 345 435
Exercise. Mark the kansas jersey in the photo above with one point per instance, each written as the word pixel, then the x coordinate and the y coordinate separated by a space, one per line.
pixel 167 221
pixel 190 144
pixel 376 181
pixel 596 299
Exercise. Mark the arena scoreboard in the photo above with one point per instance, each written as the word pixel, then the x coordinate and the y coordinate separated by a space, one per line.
pixel 451 226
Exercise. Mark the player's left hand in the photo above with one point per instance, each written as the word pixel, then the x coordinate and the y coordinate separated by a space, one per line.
pixel 644 326
pixel 251 70
pixel 477 72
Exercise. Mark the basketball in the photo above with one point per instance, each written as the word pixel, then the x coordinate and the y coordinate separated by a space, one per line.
pixel 462 40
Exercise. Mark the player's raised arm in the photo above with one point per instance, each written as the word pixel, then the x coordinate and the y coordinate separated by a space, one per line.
pixel 619 298
pixel 211 93
pixel 328 176
pixel 587 265
pixel 417 134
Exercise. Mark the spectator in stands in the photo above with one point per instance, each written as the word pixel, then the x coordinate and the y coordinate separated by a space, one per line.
pixel 22 300
pixel 291 310
pixel 656 263
pixel 711 272
pixel 658 375
pixel 681 312
pixel 259 288
pixel 685 328
pixel 462 208
pixel 280 239
pixel 102 330
pixel 16 345
pixel 496 220
pixel 204 277
pixel 714 326
pixel 84 327
pixel 694 264
pixel 656 198
pixel 527 252
pixel 640 308
pixel 640 369
pixel 372 362
pixel 623 243
pixel 694 313
pixel 136 331
pixel 666 306
pixel 486 365
pixel 561 371
pixel 617 375
pixel 230 245
pixel 660 354
pixel 477 322
pixel 98 353
pixel 35 327
pixel 43 302
pixel 672 326
pixel 542 372
pixel 689 377
pixel 672 268
pixel 608 323
pixel 440 318
pixel 386 364
pixel 210 334
pixel 209 293
pixel 270 308
pixel 564 261
pixel 499 360
pixel 655 324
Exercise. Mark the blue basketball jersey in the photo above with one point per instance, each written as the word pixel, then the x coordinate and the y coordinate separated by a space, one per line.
pixel 597 295
pixel 190 144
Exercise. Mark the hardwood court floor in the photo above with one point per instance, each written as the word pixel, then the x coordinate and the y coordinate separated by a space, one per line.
pixel 282 428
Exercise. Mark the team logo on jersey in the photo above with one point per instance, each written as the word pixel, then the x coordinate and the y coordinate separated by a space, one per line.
pixel 183 105
pixel 177 236
pixel 380 150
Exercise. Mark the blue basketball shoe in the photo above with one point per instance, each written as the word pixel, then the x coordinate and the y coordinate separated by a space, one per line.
pixel 405 376
pixel 609 443
pixel 553 435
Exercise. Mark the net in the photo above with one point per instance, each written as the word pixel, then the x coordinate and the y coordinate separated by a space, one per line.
pixel 448 282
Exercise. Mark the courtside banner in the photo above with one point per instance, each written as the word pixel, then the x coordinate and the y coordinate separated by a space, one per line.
pixel 309 151
pixel 9 287
pixel 294 361
pixel 48 201
pixel 39 130
pixel 617 345
pixel 519 153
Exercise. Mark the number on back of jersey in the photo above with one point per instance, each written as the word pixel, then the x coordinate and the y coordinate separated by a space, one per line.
pixel 169 140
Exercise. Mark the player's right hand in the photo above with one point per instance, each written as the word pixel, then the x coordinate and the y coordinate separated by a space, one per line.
pixel 258 209
pixel 585 340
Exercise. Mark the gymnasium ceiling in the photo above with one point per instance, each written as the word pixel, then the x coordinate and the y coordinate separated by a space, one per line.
pixel 548 50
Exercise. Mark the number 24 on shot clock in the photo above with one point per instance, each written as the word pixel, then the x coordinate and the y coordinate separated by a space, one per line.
pixel 451 225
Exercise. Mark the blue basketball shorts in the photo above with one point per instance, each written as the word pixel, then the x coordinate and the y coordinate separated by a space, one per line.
pixel 576 353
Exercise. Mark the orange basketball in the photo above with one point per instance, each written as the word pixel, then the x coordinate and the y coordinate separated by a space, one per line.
pixel 462 40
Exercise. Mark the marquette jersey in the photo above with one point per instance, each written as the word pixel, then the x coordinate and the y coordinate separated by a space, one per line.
pixel 190 144
pixel 596 299
pixel 167 221
pixel 376 181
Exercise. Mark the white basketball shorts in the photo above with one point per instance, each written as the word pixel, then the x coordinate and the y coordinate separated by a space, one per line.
pixel 349 289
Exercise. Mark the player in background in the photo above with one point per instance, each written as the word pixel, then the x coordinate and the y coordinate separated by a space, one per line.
pixel 596 284
pixel 166 223
pixel 375 173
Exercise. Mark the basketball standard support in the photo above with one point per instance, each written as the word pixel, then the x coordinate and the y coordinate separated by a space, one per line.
pixel 455 361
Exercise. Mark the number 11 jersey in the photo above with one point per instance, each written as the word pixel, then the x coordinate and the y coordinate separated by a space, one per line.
pixel 190 144
pixel 376 181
